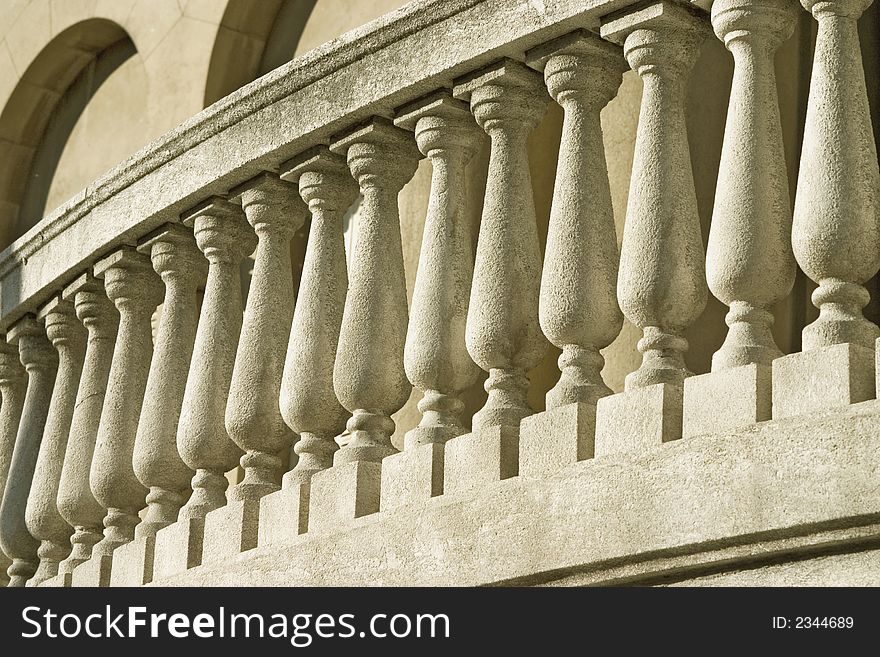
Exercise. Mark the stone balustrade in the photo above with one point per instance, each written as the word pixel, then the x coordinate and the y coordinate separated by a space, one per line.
pixel 115 445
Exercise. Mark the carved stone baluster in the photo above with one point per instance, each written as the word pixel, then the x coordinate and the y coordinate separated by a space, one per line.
pixel 368 375
pixel 253 418
pixel 136 290
pixel 308 403
pixel 76 502
pixel 578 306
pixel 156 462
pixel 13 384
pixel 41 362
pixel 661 283
pixel 44 520
pixel 435 357
pixel 836 231
pixel 225 238
pixel 749 263
pixel 503 335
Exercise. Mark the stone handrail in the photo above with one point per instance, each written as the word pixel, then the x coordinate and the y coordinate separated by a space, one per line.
pixel 134 432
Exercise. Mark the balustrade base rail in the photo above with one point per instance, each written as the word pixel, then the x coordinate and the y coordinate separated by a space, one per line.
pixel 780 491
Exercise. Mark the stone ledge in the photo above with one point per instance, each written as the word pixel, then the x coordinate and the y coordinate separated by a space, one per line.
pixel 788 486
pixel 390 61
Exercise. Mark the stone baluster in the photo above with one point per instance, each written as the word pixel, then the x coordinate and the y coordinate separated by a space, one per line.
pixel 76 503
pixel 44 520
pixel 749 263
pixel 661 284
pixel 368 375
pixel 836 228
pixel 13 383
pixel 308 403
pixel 503 333
pixel 253 418
pixel 578 307
pixel 836 235
pixel 157 464
pixel 136 290
pixel 578 304
pixel 41 362
pixel 225 238
pixel 435 357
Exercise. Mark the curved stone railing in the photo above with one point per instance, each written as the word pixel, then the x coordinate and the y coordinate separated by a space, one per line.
pixel 134 433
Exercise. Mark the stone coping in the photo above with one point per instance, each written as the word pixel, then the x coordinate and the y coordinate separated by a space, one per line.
pixel 780 490
pixel 369 71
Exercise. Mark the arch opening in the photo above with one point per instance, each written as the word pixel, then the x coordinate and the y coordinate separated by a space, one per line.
pixel 43 109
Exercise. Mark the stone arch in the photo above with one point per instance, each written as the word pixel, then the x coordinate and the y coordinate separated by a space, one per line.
pixel 254 37
pixel 42 110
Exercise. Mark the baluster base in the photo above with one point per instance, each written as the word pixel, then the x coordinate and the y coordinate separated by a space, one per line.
pixel 481 458
pixel 284 515
pixel 178 547
pixel 231 530
pixel 557 438
pixel 344 492
pixel 133 562
pixel 93 573
pixel 822 379
pixel 412 476
pixel 60 581
pixel 638 420
pixel 726 400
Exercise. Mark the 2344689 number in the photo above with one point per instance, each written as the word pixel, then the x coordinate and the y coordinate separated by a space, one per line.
pixel 825 622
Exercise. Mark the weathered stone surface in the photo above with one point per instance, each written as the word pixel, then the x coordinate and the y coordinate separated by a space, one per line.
pixel 284 514
pixel 368 375
pixel 412 477
pixel 75 500
pixel 136 290
pixel 578 308
pixel 41 362
pixel 836 230
pixel 661 284
pixel 178 547
pixel 133 562
pixel 749 262
pixel 225 238
pixel 715 502
pixel 726 400
pixel 435 358
pixel 344 492
pixel 253 419
pixel 157 463
pixel 557 438
pixel 230 530
pixel 308 403
pixel 503 335
pixel 480 458
pixel 822 378
pixel 94 572
pixel 13 383
pixel 42 516
pixel 638 420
